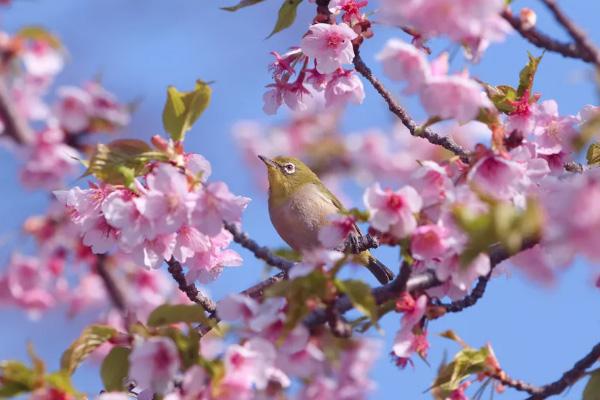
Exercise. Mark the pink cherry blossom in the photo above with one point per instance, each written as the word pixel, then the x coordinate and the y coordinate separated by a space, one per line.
pixel 152 253
pixel 73 109
pixel 48 160
pixel 498 176
pixel 406 343
pixel 215 205
pixel 206 266
pixel 404 62
pixel 113 396
pixel 393 211
pixel 198 166
pixel 330 45
pixel 42 60
pixel 121 212
pixel 167 202
pixel 154 362
pixel 454 97
pixel 336 232
pixel 463 276
pixel 432 182
pixel 429 242
pixel 413 310
pixel 190 241
pixel 343 87
pixel 553 133
pixel 106 107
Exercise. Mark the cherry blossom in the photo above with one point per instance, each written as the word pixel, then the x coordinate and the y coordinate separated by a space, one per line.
pixel 393 211
pixel 154 362
pixel 343 87
pixel 329 45
pixel 334 234
pixel 215 204
pixel 404 62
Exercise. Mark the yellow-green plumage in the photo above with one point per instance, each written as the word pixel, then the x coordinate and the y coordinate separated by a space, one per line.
pixel 300 205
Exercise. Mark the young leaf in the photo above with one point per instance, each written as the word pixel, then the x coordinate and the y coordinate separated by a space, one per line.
pixel 466 362
pixel 360 295
pixel 62 381
pixel 182 109
pixel 16 378
pixel 115 368
pixel 527 75
pixel 38 33
pixel 286 16
pixel 242 4
pixel 91 338
pixel 593 154
pixel 120 161
pixel 592 388
pixel 167 314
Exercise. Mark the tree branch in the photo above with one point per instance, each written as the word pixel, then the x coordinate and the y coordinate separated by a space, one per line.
pixel 574 31
pixel 260 252
pixel 190 290
pixel 406 119
pixel 14 126
pixel 113 290
pixel 568 378
pixel 546 42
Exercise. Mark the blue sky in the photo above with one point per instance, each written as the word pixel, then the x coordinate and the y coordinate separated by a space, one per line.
pixel 141 46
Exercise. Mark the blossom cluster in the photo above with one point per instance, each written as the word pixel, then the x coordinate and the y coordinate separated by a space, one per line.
pixel 172 212
pixel 52 153
pixel 264 363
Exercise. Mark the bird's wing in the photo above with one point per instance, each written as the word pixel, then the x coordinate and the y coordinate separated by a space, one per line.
pixel 337 203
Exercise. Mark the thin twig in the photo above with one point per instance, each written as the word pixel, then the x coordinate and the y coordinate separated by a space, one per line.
pixel 574 31
pixel 14 126
pixel 113 290
pixel 260 252
pixel 546 42
pixel 426 133
pixel 568 378
pixel 190 290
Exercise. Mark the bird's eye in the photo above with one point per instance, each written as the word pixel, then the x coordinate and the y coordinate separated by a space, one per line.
pixel 289 168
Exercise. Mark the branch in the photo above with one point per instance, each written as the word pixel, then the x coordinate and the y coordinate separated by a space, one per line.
pixel 567 379
pixel 546 42
pixel 260 252
pixel 113 290
pixel 406 119
pixel 190 290
pixel 497 255
pixel 14 126
pixel 574 31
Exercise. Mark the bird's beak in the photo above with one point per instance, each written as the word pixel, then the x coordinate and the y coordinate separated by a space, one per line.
pixel 268 162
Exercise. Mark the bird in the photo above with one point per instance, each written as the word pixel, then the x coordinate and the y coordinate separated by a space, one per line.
pixel 300 205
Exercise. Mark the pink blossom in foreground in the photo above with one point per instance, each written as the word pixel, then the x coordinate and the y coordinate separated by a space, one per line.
pixel 73 108
pixel 153 364
pixel 336 232
pixel 404 62
pixel 42 60
pixel 215 204
pixel 330 46
pixel 432 182
pixel 463 276
pixel 498 177
pixel 344 87
pixel 393 211
pixel 454 97
pixel 429 242
pixel 207 265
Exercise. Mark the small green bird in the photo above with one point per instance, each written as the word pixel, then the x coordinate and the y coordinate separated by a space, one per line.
pixel 300 205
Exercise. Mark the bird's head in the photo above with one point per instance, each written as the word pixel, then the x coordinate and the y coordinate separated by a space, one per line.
pixel 286 175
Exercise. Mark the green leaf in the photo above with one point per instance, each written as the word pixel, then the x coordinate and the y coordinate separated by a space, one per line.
pixel 115 368
pixel 589 130
pixel 182 109
pixel 91 338
pixel 503 97
pixel 592 388
pixel 466 362
pixel 40 34
pixel 167 314
pixel 188 345
pixel 286 16
pixel 527 75
pixel 16 378
pixel 360 295
pixel 593 154
pixel 242 4
pixel 120 161
pixel 62 381
pixel 298 292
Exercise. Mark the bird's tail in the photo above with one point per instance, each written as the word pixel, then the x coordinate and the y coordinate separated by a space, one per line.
pixel 380 271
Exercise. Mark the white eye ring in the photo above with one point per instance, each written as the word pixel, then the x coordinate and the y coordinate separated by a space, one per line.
pixel 289 168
